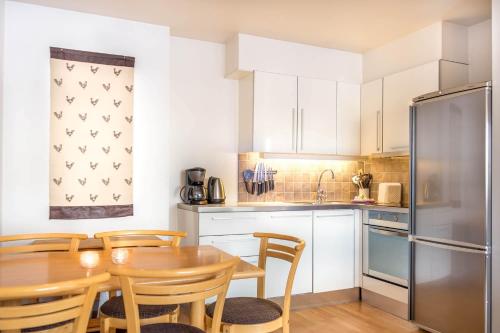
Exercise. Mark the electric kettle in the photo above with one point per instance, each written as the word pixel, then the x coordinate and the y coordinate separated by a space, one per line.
pixel 216 194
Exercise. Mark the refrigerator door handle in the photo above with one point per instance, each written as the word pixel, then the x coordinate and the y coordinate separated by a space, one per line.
pixel 448 247
pixel 449 242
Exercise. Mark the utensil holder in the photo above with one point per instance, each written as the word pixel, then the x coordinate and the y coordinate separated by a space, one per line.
pixel 364 193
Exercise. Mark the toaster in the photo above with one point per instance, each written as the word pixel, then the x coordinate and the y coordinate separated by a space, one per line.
pixel 389 194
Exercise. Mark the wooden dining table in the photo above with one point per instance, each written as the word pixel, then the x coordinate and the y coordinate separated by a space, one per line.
pixel 47 267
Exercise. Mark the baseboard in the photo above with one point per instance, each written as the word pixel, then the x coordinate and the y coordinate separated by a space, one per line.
pixel 310 300
pixel 386 304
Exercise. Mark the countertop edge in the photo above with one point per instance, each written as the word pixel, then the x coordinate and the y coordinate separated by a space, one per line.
pixel 277 207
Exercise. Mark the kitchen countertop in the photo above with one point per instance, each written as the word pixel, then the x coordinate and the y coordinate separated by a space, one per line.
pixel 284 206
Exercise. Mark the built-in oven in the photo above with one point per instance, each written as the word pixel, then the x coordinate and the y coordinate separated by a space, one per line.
pixel 385 246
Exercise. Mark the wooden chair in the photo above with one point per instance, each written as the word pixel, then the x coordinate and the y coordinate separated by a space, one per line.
pixel 252 315
pixel 51 242
pixel 67 314
pixel 112 312
pixel 186 285
pixel 111 239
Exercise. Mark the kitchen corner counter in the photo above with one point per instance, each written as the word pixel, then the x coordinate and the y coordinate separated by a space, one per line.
pixel 284 206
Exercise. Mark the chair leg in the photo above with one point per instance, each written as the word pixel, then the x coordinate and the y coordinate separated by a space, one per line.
pixel 227 328
pixel 286 328
pixel 104 325
pixel 174 317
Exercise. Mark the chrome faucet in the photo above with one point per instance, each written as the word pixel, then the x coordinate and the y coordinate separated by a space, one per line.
pixel 321 194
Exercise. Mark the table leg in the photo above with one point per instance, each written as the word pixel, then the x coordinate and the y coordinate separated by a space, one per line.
pixel 198 314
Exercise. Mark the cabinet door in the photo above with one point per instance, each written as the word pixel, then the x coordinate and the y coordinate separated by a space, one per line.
pixel 371 117
pixel 399 91
pixel 298 224
pixel 348 119
pixel 275 113
pixel 334 250
pixel 317 116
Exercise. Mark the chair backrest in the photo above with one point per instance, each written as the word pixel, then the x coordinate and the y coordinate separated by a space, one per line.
pixel 181 286
pixel 75 306
pixel 138 238
pixel 270 248
pixel 48 242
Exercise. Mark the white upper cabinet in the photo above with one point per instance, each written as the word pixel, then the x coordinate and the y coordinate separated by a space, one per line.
pixel 274 113
pixel 348 119
pixel 371 117
pixel 399 90
pixel 317 117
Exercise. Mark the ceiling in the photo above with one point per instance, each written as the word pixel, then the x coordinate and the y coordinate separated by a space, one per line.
pixel 354 25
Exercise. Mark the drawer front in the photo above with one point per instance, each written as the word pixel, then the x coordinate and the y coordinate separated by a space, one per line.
pixel 236 245
pixel 244 287
pixel 213 224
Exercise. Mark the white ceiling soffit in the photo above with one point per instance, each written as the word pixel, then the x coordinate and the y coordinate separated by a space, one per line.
pixel 353 25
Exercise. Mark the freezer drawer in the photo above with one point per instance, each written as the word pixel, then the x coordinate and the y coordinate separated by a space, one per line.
pixel 449 288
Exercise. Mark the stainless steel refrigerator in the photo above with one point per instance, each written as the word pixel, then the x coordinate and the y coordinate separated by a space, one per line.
pixel 450 210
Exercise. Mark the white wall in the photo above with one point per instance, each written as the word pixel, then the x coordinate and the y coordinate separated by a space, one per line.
pixel 204 115
pixel 30 30
pixel 441 40
pixel 496 167
pixel 247 53
pixel 480 52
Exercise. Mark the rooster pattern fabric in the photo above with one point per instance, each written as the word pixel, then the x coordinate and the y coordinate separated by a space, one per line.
pixel 91 135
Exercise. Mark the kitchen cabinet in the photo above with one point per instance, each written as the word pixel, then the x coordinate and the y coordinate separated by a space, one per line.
pixel 330 261
pixel 334 250
pixel 371 117
pixel 399 90
pixel 298 224
pixel 385 103
pixel 275 112
pixel 348 119
pixel 317 105
pixel 289 114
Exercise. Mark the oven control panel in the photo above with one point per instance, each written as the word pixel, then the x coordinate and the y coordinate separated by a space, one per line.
pixel 387 219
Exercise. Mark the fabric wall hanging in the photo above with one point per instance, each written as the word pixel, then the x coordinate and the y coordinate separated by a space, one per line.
pixel 90 134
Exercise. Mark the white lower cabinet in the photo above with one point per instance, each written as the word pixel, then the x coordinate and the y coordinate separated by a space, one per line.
pixel 334 250
pixel 329 261
pixel 298 224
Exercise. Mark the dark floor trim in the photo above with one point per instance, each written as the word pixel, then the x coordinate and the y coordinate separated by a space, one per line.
pixel 90 212
pixel 91 57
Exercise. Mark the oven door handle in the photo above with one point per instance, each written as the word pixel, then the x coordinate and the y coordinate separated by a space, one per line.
pixel 391 233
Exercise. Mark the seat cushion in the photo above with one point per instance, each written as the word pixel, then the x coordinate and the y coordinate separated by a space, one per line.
pixel 115 308
pixel 45 327
pixel 247 311
pixel 170 328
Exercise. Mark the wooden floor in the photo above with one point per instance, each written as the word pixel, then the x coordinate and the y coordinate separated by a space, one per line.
pixel 347 318
pixel 354 317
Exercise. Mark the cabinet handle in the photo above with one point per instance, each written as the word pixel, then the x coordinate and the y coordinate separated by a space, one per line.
pixel 294 118
pixel 236 241
pixel 301 129
pixel 288 217
pixel 400 147
pixel 340 215
pixel 378 130
pixel 231 218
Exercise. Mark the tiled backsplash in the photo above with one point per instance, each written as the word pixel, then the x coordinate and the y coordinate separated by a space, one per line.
pixel 297 179
pixel 390 170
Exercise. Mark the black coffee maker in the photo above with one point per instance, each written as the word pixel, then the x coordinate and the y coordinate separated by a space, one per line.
pixel 194 192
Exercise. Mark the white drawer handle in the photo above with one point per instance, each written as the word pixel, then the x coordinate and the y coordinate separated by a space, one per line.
pixel 231 218
pixel 288 217
pixel 340 215
pixel 237 241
